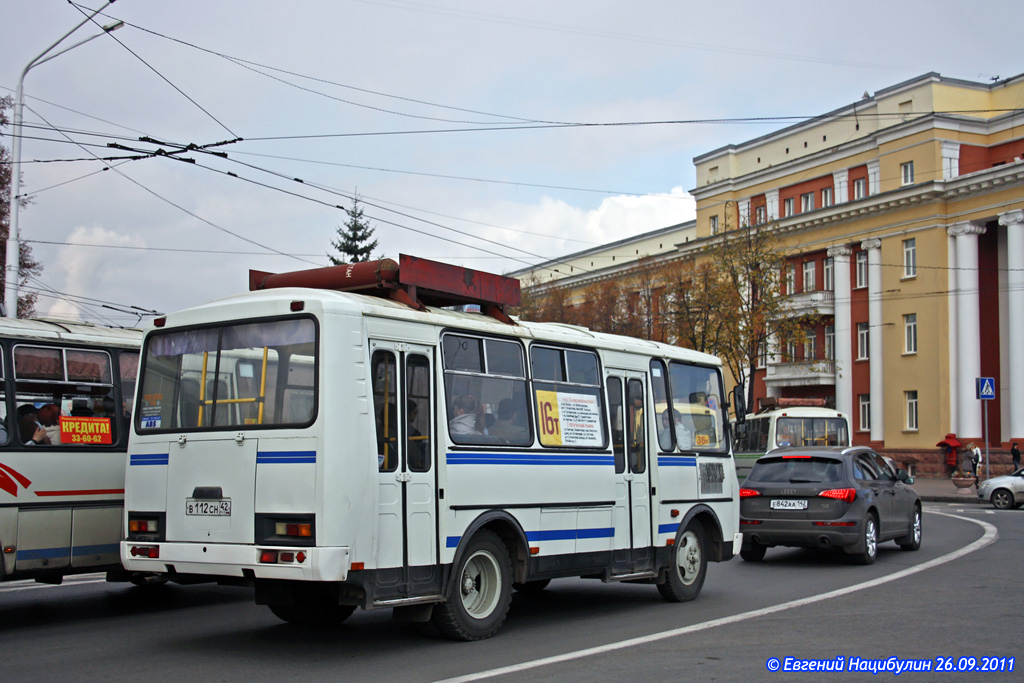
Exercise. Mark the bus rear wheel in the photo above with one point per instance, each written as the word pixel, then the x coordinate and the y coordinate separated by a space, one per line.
pixel 685 577
pixel 480 592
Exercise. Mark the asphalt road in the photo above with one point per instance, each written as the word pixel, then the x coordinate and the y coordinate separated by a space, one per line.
pixel 958 596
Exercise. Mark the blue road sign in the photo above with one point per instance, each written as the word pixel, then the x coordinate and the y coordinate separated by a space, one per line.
pixel 986 387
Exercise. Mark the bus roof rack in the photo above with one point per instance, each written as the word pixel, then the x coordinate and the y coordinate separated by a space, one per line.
pixel 774 403
pixel 414 281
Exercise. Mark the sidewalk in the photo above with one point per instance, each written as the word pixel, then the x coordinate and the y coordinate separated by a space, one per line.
pixel 943 491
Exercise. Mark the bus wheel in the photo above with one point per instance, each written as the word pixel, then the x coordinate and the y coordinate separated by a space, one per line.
pixel 480 593
pixel 313 614
pixel 685 577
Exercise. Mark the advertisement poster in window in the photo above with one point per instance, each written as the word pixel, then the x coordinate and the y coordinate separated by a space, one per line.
pixel 569 419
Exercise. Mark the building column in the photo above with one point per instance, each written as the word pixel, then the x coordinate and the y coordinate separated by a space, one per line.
pixel 874 176
pixel 1014 222
pixel 841 180
pixel 954 348
pixel 875 337
pixel 950 159
pixel 771 198
pixel 968 324
pixel 844 332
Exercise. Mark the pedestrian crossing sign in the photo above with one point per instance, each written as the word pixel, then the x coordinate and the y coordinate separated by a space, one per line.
pixel 986 387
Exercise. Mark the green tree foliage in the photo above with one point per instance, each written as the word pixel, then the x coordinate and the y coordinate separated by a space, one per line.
pixel 29 266
pixel 354 238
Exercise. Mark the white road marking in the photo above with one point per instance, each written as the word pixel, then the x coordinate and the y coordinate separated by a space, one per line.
pixel 987 538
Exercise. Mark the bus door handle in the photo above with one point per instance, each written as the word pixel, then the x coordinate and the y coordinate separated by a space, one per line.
pixel 628 477
pixel 403 476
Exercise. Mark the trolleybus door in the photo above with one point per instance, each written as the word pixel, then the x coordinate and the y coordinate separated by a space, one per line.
pixel 406 528
pixel 627 399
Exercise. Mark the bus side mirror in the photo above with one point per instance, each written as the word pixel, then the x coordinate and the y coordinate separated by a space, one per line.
pixel 739 409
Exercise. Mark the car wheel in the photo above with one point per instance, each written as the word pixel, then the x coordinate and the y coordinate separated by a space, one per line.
pixel 912 541
pixel 481 592
pixel 753 552
pixel 532 587
pixel 1002 499
pixel 870 541
pixel 685 577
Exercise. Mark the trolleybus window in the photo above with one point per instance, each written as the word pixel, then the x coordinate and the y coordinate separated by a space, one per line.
pixel 569 412
pixel 485 391
pixel 615 409
pixel 64 396
pixel 229 376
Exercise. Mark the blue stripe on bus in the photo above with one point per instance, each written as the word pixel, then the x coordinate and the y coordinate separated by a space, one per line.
pixel 676 461
pixel 529 459
pixel 149 458
pixel 65 552
pixel 552 535
pixel 267 457
pixel 668 528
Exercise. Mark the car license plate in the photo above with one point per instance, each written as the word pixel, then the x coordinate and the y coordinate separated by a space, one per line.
pixel 208 508
pixel 788 504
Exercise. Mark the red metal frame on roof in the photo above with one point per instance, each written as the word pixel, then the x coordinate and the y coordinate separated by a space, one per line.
pixel 414 281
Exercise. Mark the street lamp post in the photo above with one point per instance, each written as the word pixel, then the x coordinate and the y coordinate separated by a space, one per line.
pixel 13 265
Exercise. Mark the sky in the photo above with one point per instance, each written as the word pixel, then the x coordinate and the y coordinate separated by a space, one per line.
pixel 447 118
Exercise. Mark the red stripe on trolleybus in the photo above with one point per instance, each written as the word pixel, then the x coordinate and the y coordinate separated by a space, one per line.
pixel 83 492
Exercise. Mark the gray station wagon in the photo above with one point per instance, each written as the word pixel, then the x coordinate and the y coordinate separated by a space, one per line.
pixel 849 498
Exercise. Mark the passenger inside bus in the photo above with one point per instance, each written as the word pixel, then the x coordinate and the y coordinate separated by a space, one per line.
pixel 49 418
pixel 32 433
pixel 465 412
pixel 505 426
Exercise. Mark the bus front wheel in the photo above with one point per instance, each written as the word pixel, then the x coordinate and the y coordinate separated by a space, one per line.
pixel 480 592
pixel 685 577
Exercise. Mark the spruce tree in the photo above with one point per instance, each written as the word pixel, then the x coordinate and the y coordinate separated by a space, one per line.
pixel 354 238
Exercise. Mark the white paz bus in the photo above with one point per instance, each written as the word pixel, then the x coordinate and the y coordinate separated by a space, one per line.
pixel 66 392
pixel 365 448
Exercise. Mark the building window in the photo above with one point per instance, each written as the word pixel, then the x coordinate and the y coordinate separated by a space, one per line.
pixel 808 276
pixel 790 279
pixel 864 403
pixel 760 215
pixel 762 355
pixel 910 258
pixel 830 274
pixel 860 188
pixel 807 202
pixel 790 350
pixel 861 260
pixel 911 399
pixel 826 197
pixel 787 207
pixel 910 333
pixel 810 345
pixel 863 332
pixel 713 224
pixel 830 342
pixel 907 173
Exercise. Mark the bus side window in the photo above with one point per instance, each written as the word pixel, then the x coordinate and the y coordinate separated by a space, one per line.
pixel 636 426
pixel 618 423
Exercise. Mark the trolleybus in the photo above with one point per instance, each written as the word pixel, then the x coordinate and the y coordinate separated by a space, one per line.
pixel 66 393
pixel 370 448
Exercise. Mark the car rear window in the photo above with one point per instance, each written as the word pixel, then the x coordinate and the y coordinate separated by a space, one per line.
pixel 796 470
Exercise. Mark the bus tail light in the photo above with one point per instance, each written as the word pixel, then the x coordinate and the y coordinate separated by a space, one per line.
pixel 147 527
pixel 151 552
pixel 268 557
pixel 143 526
pixel 282 557
pixel 294 529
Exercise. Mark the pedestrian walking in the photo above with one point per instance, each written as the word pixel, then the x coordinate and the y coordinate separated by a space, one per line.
pixel 975 462
pixel 1015 454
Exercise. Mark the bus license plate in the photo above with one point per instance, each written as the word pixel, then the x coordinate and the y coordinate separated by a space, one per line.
pixel 788 504
pixel 208 508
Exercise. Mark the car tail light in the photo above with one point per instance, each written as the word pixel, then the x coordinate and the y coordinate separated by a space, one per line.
pixel 749 521
pixel 796 457
pixel 845 495
pixel 835 523
pixel 747 493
